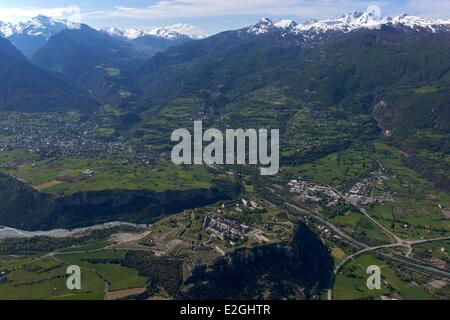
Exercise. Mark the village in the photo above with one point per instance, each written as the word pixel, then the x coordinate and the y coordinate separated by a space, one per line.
pixel 364 192
pixel 312 192
pixel 371 190
pixel 59 139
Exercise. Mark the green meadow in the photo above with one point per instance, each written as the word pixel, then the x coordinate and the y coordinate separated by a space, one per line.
pixel 44 278
pixel 362 228
pixel 108 174
pixel 415 212
pixel 351 283
pixel 117 276
pixel 338 168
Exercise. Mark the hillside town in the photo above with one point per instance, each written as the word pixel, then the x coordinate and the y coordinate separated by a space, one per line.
pixel 361 193
pixel 309 191
pixel 63 139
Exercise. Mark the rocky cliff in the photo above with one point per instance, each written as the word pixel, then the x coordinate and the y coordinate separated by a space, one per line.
pixel 297 270
pixel 23 207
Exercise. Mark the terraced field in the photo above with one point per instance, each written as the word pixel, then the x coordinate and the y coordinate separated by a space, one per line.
pixel 65 176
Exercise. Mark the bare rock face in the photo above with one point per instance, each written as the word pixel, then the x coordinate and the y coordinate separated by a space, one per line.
pixel 291 271
pixel 23 207
pixel 18 202
pixel 137 206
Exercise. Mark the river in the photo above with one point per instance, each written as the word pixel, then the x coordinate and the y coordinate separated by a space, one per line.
pixel 7 232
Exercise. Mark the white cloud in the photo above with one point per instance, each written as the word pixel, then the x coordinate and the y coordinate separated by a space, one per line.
pixel 300 9
pixel 187 29
pixel 208 8
pixel 24 13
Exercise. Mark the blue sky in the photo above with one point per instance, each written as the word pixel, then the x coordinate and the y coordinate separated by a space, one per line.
pixel 210 15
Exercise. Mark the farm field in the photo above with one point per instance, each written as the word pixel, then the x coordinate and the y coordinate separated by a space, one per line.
pixel 65 176
pixel 337 169
pixel 45 278
pixel 435 253
pixel 361 228
pixel 350 109
pixel 118 277
pixel 415 212
pixel 351 283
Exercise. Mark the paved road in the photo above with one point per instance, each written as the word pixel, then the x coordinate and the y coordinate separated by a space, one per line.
pixel 397 239
pixel 417 265
pixel 407 244
pixel 106 290
pixel 328 224
pixel 322 220
pixel 399 243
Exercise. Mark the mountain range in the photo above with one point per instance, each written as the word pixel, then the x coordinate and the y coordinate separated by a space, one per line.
pixel 358 80
pixel 179 30
pixel 88 59
pixel 32 35
pixel 362 104
pixel 375 74
pixel 26 87
pixel 350 22
pixel 91 60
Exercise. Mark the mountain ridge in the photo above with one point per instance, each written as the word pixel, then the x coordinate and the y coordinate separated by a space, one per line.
pixel 31 35
pixel 91 60
pixel 347 23
pixel 26 87
pixel 172 32
pixel 340 74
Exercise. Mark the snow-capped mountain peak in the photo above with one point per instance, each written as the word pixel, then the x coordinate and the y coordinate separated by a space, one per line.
pixel 266 25
pixel 285 24
pixel 39 26
pixel 130 33
pixel 42 20
pixel 173 32
pixel 263 26
pixel 347 23
pixel 361 18
pixel 414 22
pixel 6 29
pixel 165 33
pixel 187 30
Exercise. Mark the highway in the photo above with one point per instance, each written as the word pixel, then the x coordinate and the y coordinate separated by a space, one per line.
pixel 400 243
pixel 328 224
